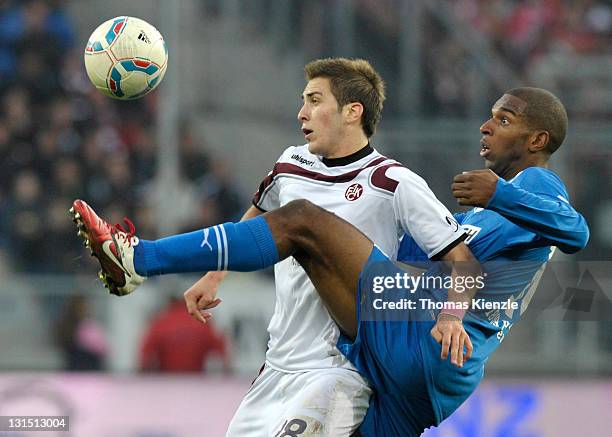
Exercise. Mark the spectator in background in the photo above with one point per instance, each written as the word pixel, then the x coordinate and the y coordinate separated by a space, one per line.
pixel 210 182
pixel 175 342
pixel 5 183
pixel 194 160
pixel 34 33
pixel 80 337
pixel 27 233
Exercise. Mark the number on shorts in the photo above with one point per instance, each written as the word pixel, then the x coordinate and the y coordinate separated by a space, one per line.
pixel 292 428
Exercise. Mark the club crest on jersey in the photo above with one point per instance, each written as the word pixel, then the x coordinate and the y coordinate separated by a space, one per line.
pixel 353 192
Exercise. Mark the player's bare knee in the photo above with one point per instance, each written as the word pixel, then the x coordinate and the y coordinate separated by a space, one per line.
pixel 307 220
pixel 302 207
pixel 303 215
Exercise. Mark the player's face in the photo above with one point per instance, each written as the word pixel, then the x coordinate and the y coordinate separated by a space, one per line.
pixel 504 142
pixel 321 118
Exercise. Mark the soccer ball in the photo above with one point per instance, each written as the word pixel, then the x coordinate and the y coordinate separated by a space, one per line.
pixel 126 58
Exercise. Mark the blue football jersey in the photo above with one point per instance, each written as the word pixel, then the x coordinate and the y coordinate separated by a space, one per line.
pixel 512 237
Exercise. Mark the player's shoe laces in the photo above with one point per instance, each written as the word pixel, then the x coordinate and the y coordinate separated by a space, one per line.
pixel 112 245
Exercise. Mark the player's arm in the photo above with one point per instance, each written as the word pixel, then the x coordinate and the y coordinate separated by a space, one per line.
pixel 202 296
pixel 432 227
pixel 449 330
pixel 547 215
pixel 410 253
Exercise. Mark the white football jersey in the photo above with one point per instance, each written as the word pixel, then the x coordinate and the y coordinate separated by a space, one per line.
pixel 379 196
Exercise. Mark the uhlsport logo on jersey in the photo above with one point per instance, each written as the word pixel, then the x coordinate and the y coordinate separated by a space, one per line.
pixel 353 192
pixel 302 160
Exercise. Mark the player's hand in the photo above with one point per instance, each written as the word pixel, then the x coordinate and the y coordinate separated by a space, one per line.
pixel 475 188
pixel 202 296
pixel 450 333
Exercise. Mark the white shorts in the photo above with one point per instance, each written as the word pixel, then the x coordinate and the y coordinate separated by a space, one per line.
pixel 322 402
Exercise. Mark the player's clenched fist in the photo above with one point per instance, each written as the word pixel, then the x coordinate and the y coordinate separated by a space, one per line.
pixel 450 333
pixel 474 188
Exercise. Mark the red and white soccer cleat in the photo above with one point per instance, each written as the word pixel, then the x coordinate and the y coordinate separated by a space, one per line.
pixel 112 245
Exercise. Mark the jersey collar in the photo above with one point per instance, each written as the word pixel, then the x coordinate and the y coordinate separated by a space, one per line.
pixel 345 160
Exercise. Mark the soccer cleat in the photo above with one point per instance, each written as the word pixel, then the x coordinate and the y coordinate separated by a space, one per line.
pixel 112 245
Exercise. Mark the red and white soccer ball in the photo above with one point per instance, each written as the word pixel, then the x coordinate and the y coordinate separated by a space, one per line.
pixel 126 58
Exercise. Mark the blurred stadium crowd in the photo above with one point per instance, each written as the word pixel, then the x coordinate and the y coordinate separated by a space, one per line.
pixel 536 39
pixel 533 39
pixel 61 139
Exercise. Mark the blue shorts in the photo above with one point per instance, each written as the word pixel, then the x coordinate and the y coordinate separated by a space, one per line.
pixel 413 388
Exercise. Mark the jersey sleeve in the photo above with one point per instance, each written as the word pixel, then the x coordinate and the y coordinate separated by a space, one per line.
pixel 538 201
pixel 459 216
pixel 266 197
pixel 409 252
pixel 422 216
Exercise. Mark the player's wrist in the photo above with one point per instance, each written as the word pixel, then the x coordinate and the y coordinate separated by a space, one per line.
pixel 498 194
pixel 453 313
pixel 217 277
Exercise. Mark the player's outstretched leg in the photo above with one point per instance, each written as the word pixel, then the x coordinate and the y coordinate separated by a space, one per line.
pixel 332 251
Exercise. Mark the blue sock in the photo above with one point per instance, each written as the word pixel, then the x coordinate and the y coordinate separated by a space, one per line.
pixel 244 247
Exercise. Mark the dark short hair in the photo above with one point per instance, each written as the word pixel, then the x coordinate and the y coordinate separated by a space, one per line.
pixel 544 112
pixel 353 80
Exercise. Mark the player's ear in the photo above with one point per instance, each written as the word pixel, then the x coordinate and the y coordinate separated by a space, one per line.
pixel 538 141
pixel 353 111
